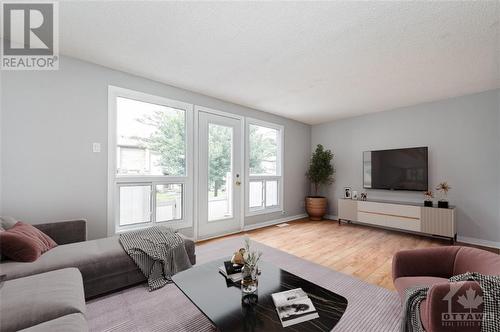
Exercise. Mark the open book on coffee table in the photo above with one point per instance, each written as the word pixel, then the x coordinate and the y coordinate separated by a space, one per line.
pixel 294 306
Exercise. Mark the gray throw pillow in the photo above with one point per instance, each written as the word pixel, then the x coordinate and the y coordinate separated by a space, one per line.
pixel 7 222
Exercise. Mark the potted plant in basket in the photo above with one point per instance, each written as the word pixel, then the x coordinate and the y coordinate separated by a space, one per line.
pixel 443 189
pixel 320 173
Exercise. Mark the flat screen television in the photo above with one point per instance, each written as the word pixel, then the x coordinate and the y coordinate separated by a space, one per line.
pixel 397 169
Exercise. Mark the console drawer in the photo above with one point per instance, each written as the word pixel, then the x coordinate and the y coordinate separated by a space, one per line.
pixel 406 223
pixel 370 218
pixel 409 224
pixel 390 209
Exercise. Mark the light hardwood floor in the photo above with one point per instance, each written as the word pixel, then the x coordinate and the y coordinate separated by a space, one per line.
pixel 362 251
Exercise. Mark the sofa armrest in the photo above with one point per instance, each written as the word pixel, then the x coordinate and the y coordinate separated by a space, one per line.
pixel 64 232
pixel 443 297
pixel 431 262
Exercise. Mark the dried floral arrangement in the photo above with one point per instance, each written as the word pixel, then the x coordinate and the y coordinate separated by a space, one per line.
pixel 429 195
pixel 251 257
pixel 443 187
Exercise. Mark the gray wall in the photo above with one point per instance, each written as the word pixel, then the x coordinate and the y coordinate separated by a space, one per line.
pixel 49 121
pixel 464 149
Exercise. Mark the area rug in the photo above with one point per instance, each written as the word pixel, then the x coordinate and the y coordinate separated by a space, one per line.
pixel 370 308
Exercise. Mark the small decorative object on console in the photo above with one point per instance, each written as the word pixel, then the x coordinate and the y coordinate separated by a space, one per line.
pixel 443 189
pixel 250 271
pixel 428 198
pixel 347 193
pixel 354 194
pixel 364 196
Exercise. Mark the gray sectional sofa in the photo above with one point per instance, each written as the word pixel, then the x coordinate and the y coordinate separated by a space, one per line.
pixel 51 301
pixel 89 268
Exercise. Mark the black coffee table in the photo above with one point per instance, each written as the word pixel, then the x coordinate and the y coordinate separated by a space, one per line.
pixel 221 302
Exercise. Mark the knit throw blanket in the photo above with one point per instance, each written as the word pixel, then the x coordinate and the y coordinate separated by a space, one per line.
pixel 490 286
pixel 159 253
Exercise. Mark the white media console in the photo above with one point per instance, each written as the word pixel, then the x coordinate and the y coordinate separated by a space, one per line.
pixel 431 221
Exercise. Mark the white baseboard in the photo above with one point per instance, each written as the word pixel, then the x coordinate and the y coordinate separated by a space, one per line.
pixel 331 217
pixel 273 222
pixel 478 242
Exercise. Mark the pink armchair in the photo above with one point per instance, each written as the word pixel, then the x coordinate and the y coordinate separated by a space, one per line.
pixel 447 308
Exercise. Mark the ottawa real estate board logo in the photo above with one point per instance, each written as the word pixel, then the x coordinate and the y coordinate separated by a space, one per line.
pixel 466 309
pixel 30 39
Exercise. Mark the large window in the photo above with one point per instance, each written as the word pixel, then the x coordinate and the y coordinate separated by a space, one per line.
pixel 264 167
pixel 151 138
pixel 151 177
pixel 151 164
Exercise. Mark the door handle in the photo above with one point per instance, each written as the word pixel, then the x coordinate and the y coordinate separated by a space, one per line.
pixel 238 183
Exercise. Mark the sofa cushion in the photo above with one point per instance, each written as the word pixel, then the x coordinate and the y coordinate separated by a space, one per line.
pixel 103 263
pixel 68 323
pixel 476 260
pixel 403 283
pixel 39 298
pixel 24 243
pixel 96 259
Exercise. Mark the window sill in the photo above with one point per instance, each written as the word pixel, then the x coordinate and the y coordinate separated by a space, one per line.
pixel 252 213
pixel 174 224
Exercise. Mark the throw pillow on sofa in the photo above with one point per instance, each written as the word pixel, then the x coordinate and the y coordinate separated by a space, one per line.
pixel 24 243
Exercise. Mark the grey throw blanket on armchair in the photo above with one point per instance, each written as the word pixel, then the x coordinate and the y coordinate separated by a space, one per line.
pixel 159 253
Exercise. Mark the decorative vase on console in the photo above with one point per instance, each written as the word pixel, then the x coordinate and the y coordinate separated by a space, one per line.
pixel 443 189
pixel 428 198
pixel 250 271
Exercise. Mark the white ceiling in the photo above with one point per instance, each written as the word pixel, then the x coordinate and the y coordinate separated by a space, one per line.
pixel 309 61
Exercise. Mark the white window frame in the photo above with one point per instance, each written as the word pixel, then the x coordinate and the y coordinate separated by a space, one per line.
pixel 279 169
pixel 115 181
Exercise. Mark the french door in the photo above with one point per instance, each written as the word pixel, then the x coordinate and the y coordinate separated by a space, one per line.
pixel 219 174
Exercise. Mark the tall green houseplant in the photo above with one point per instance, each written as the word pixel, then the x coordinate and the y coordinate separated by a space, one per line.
pixel 321 169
